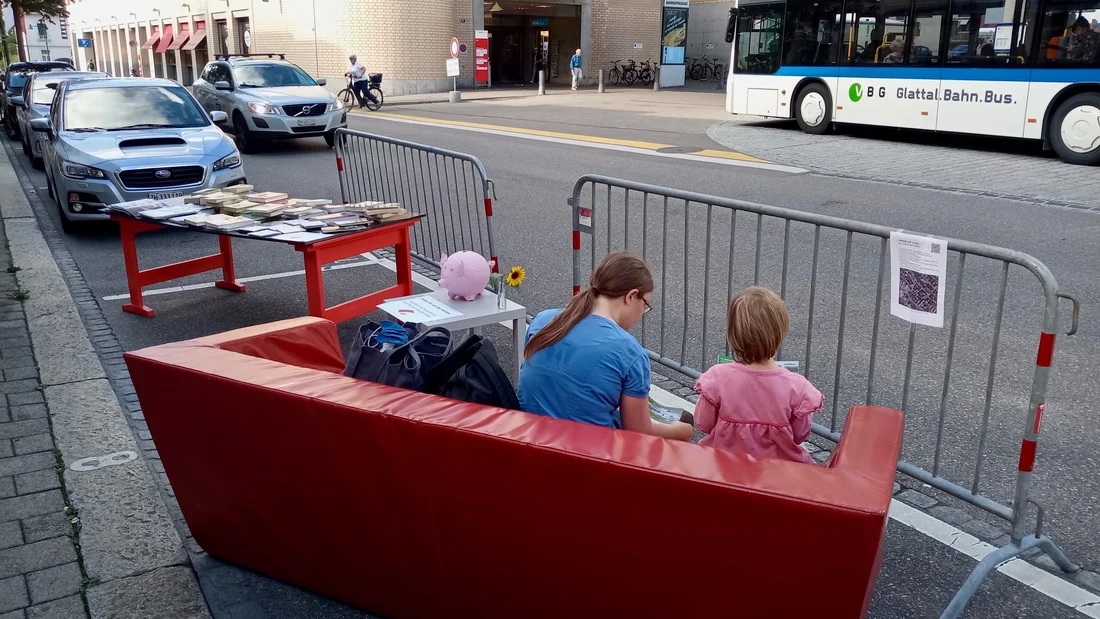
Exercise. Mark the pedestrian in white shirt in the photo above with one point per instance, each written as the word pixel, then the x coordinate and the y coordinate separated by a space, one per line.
pixel 360 83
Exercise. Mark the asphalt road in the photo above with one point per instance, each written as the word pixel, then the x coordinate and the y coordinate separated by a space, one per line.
pixel 532 226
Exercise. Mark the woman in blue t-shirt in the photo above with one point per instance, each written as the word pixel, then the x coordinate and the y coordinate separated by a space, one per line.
pixel 581 364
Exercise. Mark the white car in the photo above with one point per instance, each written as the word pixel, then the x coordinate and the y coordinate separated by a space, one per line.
pixel 268 98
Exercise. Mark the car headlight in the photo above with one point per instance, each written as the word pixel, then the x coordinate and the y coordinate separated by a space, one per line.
pixel 229 161
pixel 338 104
pixel 261 108
pixel 75 170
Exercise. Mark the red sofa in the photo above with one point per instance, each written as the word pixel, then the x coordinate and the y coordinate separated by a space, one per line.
pixel 412 505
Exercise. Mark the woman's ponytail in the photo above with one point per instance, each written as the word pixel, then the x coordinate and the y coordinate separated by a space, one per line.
pixel 617 274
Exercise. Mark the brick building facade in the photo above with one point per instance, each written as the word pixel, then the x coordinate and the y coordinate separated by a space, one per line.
pixel 406 40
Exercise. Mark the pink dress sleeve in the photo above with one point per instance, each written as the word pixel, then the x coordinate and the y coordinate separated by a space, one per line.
pixel 706 409
pixel 808 401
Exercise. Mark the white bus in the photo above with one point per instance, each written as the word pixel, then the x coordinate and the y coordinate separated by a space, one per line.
pixel 1015 68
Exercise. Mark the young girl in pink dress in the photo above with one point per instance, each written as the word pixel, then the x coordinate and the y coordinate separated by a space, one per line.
pixel 753 405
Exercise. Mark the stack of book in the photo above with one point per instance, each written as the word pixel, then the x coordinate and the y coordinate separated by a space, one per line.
pixel 267 196
pixel 227 222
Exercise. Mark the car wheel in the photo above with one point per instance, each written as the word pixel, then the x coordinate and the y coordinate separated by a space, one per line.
pixel 245 142
pixel 9 130
pixel 812 109
pixel 1074 129
pixel 37 163
pixel 330 138
pixel 26 147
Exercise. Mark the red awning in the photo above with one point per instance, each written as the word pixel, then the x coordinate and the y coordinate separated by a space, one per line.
pixel 151 41
pixel 195 40
pixel 180 39
pixel 165 40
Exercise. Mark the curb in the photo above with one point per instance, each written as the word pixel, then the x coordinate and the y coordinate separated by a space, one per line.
pixel 127 535
pixel 1057 203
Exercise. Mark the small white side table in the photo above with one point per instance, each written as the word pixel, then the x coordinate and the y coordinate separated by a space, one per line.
pixel 481 312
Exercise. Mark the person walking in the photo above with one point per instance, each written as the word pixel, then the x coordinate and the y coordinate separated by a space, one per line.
pixel 575 68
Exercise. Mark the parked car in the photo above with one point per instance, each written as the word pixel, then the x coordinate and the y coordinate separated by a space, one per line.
pixel 14 80
pixel 120 139
pixel 269 99
pixel 958 50
pixel 35 103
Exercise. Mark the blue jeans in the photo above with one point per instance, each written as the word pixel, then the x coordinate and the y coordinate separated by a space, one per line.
pixel 362 91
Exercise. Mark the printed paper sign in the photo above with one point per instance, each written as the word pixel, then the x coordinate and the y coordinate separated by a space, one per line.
pixel 424 308
pixel 584 217
pixel 918 278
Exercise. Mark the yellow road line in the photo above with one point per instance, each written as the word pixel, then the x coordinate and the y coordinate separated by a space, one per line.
pixel 728 154
pixel 539 132
pixel 654 146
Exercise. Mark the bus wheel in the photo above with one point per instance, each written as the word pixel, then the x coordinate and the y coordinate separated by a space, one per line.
pixel 1075 129
pixel 812 109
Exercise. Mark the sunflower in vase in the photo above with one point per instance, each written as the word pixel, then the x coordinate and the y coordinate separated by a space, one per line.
pixel 502 281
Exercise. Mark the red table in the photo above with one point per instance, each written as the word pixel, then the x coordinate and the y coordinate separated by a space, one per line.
pixel 316 255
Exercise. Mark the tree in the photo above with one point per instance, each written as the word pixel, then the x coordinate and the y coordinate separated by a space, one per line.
pixel 48 9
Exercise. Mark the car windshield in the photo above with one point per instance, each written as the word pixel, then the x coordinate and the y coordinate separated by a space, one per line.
pixel 42 93
pixel 131 107
pixel 17 80
pixel 271 76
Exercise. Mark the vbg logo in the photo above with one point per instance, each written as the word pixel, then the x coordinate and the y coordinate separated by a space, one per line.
pixel 855 92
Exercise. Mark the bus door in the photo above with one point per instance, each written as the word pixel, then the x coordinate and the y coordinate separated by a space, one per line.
pixel 984 88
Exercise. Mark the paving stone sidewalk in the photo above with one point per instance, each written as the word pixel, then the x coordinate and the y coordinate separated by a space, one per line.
pixel 41 571
pixel 918 160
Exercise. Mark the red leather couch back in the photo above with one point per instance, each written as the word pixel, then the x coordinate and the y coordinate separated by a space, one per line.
pixel 411 505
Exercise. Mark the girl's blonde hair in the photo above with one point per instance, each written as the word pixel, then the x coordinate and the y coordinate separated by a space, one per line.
pixel 756 324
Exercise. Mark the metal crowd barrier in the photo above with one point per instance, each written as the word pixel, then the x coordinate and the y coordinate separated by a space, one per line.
pixel 959 386
pixel 451 189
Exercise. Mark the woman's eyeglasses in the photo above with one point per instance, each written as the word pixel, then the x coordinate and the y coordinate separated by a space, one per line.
pixel 648 307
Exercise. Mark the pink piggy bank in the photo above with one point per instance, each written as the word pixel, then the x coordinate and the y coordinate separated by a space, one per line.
pixel 464 274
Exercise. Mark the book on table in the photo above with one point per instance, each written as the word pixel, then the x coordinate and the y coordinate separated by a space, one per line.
pixel 267 196
pixel 228 222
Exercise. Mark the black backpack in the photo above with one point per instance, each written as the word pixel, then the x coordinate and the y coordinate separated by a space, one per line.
pixel 472 373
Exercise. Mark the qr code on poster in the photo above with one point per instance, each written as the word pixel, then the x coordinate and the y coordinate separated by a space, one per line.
pixel 935 248
pixel 919 291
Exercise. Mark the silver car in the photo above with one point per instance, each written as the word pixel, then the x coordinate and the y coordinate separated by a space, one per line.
pixel 35 103
pixel 269 99
pixel 121 139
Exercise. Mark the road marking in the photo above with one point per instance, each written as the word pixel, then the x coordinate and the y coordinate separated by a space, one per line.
pixel 1056 588
pixel 626 146
pixel 1036 578
pixel 367 261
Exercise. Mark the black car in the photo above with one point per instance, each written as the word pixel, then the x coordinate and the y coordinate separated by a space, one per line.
pixel 14 80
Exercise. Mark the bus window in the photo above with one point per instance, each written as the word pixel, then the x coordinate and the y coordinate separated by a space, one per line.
pixel 1070 34
pixel 874 30
pixel 927 28
pixel 811 34
pixel 985 33
pixel 758 31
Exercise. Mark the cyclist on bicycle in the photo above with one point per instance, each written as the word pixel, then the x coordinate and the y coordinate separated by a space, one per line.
pixel 360 83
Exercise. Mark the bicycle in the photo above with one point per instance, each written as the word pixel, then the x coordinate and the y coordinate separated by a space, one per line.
pixel 645 73
pixel 701 70
pixel 348 95
pixel 630 73
pixel 617 74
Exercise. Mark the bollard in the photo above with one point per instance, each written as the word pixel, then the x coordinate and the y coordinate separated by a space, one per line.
pixel 542 81
pixel 456 96
pixel 600 88
pixel 656 78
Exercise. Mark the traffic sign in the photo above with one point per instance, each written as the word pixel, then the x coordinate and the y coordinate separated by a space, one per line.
pixel 454 47
pixel 83 42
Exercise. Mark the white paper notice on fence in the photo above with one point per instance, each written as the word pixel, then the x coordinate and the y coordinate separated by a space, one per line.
pixel 423 308
pixel 918 277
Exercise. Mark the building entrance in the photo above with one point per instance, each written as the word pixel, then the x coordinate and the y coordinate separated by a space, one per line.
pixel 525 37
